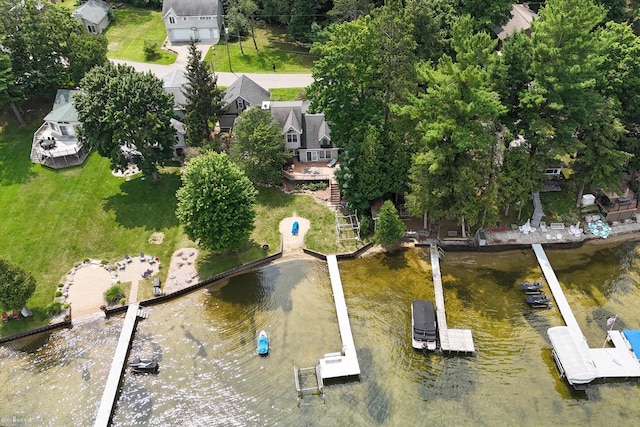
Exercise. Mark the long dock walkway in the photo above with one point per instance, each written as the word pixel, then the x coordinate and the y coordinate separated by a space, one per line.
pixel 459 340
pixel 576 361
pixel 117 366
pixel 344 363
pixel 556 290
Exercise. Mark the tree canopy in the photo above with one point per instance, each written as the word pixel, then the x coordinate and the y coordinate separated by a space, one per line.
pixel 126 116
pixel 258 146
pixel 216 202
pixel 16 286
pixel 48 48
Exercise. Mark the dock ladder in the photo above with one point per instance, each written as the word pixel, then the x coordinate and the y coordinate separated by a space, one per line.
pixel 308 382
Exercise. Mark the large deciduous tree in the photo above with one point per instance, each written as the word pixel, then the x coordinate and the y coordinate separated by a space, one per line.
pixel 258 146
pixel 204 99
pixel 216 202
pixel 16 286
pixel 48 48
pixel 126 116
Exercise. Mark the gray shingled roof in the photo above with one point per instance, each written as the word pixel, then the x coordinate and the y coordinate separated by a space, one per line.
pixel 190 7
pixel 315 127
pixel 63 109
pixel 173 83
pixel 521 18
pixel 93 11
pixel 293 114
pixel 246 89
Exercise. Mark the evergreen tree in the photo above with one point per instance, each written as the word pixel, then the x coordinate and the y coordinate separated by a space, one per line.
pixel 16 286
pixel 389 226
pixel 204 99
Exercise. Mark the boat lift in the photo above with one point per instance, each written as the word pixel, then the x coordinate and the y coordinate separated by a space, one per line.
pixel 308 382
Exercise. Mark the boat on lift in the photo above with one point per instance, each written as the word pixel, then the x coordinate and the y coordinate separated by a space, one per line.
pixel 540 300
pixel 531 288
pixel 142 366
pixel 423 325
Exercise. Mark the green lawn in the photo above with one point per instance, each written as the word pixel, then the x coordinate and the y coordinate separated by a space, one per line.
pixel 130 29
pixel 274 47
pixel 288 94
pixel 53 219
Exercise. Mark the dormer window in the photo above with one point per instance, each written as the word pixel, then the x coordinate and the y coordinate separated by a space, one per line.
pixel 172 20
pixel 292 138
pixel 324 142
pixel 240 105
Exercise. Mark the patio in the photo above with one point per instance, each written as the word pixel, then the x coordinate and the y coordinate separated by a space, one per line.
pixel 309 171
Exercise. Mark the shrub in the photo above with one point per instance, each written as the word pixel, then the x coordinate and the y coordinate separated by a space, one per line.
pixel 113 294
pixel 60 285
pixel 123 301
pixel 104 262
pixel 66 305
pixel 86 260
pixel 58 293
pixel 150 49
pixel 53 308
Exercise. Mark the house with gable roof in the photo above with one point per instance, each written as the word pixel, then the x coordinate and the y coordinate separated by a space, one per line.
pixel 93 15
pixel 200 20
pixel 242 94
pixel 173 83
pixel 55 143
pixel 307 135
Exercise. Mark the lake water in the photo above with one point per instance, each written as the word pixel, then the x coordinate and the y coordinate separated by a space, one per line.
pixel 210 374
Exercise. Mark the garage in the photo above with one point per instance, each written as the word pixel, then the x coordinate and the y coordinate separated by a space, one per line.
pixel 181 35
pixel 204 34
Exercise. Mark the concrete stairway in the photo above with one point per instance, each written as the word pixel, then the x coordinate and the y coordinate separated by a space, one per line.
pixel 538 213
pixel 335 193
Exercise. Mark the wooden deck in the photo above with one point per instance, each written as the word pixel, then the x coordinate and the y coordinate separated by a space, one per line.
pixel 452 340
pixel 344 363
pixel 110 393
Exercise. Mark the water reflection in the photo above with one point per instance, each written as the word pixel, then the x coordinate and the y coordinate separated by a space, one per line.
pixel 211 375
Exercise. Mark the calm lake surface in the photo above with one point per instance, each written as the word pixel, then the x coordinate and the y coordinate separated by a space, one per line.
pixel 210 374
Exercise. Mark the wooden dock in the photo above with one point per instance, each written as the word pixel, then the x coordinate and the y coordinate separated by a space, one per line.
pixel 579 363
pixel 117 367
pixel 452 340
pixel 344 363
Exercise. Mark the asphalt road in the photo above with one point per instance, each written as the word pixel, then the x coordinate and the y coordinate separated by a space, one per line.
pixel 266 80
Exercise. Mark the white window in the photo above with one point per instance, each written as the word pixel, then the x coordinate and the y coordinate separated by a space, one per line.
pixel 172 20
pixel 91 29
pixel 292 137
pixel 240 104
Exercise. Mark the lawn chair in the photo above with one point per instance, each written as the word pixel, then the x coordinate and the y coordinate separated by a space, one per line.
pixel 127 259
pixel 16 314
pixel 142 257
pixel 5 316
pixel 151 260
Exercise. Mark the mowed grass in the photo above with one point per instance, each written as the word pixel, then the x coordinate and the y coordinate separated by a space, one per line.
pixel 287 94
pixel 53 219
pixel 130 29
pixel 50 220
pixel 274 47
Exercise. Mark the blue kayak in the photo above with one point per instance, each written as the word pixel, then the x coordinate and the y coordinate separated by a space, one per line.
pixel 263 343
pixel 294 229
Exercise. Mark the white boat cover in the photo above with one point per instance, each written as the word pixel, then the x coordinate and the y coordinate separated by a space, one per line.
pixel 573 354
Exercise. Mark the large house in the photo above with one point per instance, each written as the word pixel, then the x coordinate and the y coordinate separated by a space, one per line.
pixel 199 20
pixel 307 136
pixel 93 15
pixel 55 143
pixel 242 94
